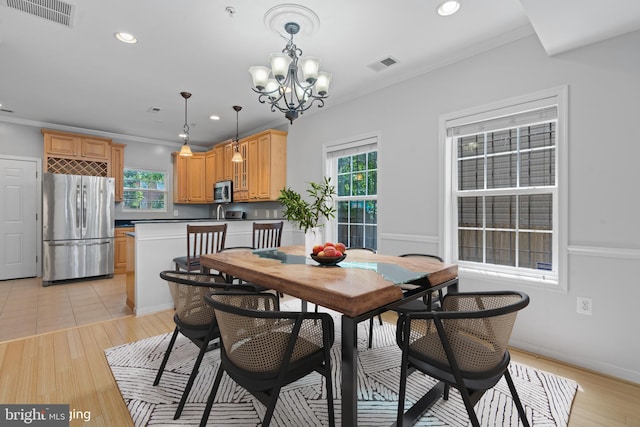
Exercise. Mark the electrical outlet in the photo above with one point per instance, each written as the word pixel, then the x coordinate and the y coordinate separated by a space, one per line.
pixel 585 306
pixel 175 212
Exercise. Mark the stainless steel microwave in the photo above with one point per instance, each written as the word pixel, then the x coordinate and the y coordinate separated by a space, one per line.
pixel 223 192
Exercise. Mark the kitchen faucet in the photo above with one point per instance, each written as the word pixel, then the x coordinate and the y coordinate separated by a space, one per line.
pixel 220 208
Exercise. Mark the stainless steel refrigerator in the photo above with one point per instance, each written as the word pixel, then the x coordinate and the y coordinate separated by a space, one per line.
pixel 77 230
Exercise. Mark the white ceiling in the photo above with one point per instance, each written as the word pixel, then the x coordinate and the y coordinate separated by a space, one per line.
pixel 81 76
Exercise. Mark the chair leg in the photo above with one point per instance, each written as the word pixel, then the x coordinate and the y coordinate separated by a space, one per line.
pixel 329 383
pixel 466 398
pixel 166 356
pixel 275 392
pixel 516 398
pixel 370 332
pixel 403 389
pixel 212 395
pixel 194 373
pixel 380 319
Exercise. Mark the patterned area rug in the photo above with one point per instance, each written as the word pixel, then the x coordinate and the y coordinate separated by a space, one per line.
pixel 547 398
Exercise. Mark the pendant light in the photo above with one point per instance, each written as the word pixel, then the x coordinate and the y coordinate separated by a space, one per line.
pixel 237 156
pixel 186 150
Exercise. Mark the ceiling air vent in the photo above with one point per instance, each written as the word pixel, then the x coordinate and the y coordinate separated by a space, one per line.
pixel 51 10
pixel 383 64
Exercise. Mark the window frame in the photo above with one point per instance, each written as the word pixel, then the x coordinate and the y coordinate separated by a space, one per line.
pixel 329 153
pixel 555 279
pixel 164 191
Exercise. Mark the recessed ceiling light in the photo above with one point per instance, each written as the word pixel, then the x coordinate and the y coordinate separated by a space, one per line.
pixel 126 37
pixel 448 7
pixel 214 117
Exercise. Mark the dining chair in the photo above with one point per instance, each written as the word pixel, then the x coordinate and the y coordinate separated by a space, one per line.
pixel 201 240
pixel 267 235
pixel 264 349
pixel 426 302
pixel 464 345
pixel 193 318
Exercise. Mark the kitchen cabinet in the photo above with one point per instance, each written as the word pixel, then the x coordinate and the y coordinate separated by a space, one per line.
pixel 219 168
pixel 76 154
pixel 228 167
pixel 241 174
pixel 77 146
pixel 209 174
pixel 120 249
pixel 117 169
pixel 267 165
pixel 189 178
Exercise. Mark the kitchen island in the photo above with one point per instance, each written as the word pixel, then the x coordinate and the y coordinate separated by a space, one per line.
pixel 157 243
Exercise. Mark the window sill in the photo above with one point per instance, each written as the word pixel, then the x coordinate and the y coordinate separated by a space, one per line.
pixel 494 276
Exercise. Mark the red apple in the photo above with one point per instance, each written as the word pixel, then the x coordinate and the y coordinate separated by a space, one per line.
pixel 329 251
pixel 338 254
pixel 329 244
pixel 341 247
pixel 317 249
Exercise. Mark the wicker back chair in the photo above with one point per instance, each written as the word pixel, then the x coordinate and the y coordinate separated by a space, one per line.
pixel 263 349
pixel 201 240
pixel 193 317
pixel 267 235
pixel 426 302
pixel 464 346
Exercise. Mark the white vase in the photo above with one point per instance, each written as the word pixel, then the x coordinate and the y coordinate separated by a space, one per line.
pixel 312 237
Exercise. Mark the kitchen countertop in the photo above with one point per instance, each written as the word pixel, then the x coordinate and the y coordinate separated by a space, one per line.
pixel 132 222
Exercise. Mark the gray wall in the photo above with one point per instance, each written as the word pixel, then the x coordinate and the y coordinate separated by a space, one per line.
pixel 603 235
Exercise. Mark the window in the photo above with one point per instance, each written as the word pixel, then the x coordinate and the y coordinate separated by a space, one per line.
pixel 144 190
pixel 504 207
pixel 354 171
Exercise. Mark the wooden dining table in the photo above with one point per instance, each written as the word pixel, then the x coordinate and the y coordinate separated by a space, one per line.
pixel 363 285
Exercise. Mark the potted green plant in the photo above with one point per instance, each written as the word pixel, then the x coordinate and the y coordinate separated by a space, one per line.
pixel 309 215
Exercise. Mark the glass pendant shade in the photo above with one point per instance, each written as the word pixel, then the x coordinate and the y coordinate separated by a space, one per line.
pixel 322 84
pixel 260 76
pixel 237 157
pixel 309 67
pixel 279 65
pixel 186 150
pixel 272 88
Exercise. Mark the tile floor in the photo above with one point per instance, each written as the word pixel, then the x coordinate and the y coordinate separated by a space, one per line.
pixel 28 308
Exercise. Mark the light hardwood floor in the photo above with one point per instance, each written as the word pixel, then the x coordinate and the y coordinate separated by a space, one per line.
pixel 69 366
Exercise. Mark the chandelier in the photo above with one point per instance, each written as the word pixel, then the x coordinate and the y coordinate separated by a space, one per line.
pixel 295 84
pixel 186 150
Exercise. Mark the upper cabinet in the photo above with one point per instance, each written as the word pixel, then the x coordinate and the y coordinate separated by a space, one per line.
pixel 259 177
pixel 189 178
pixel 117 169
pixel 77 154
pixel 267 165
pixel 209 174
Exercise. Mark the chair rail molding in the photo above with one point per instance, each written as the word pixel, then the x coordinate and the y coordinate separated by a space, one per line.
pixel 410 238
pixel 604 252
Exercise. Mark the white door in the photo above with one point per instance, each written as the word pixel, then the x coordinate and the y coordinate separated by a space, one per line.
pixel 18 218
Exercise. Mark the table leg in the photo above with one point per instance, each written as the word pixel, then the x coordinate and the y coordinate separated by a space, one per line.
pixel 349 372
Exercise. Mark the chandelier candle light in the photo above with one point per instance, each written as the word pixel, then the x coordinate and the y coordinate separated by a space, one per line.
pixel 186 150
pixel 285 91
